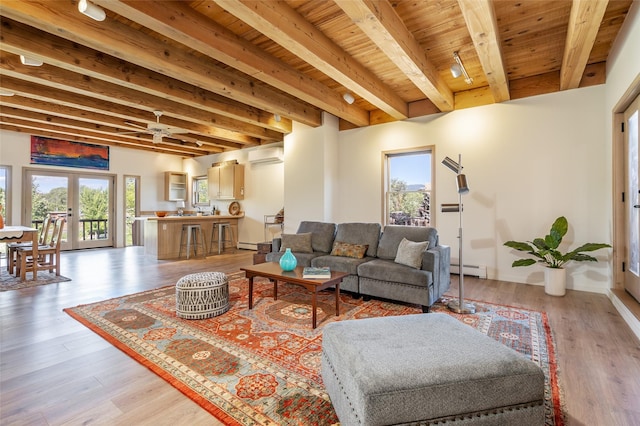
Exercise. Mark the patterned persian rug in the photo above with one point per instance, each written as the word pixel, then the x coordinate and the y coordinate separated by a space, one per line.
pixel 262 366
pixel 11 282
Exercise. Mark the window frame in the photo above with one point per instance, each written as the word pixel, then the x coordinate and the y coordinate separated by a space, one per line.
pixel 6 211
pixel 386 180
pixel 195 197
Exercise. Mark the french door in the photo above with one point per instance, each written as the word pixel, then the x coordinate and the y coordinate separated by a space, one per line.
pixel 632 199
pixel 85 199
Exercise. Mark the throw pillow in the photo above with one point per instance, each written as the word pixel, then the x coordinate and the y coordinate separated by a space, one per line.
pixel 410 253
pixel 298 243
pixel 349 250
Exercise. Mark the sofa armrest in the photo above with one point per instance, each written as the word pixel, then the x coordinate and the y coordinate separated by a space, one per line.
pixel 275 244
pixel 438 261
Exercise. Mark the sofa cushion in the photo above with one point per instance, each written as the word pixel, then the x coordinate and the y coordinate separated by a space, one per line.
pixel 360 233
pixel 392 235
pixel 410 253
pixel 298 243
pixel 340 263
pixel 322 234
pixel 388 270
pixel 356 251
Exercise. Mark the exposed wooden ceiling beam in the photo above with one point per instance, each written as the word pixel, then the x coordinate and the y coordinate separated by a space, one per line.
pixel 19 38
pixel 483 28
pixel 69 134
pixel 286 27
pixel 584 23
pixel 125 42
pixel 87 108
pixel 51 76
pixel 379 21
pixel 13 107
pixel 178 21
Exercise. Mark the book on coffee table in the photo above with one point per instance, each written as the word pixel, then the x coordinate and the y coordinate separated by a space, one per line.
pixel 316 272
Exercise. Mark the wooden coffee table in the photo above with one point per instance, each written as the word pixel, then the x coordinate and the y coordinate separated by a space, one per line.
pixel 272 271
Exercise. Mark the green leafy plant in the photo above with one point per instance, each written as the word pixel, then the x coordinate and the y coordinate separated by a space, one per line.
pixel 545 250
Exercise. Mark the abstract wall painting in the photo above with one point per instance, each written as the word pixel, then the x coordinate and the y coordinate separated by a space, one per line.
pixel 54 152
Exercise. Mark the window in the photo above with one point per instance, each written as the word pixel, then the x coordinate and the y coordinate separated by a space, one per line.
pixel 408 177
pixel 5 193
pixel 5 200
pixel 200 191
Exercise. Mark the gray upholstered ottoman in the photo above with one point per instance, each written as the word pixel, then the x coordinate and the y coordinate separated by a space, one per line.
pixel 202 295
pixel 426 369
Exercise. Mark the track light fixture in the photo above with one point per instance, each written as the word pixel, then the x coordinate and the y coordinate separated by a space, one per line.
pixel 276 117
pixel 458 69
pixel 348 98
pixel 91 10
pixel 4 92
pixel 199 143
pixel 32 62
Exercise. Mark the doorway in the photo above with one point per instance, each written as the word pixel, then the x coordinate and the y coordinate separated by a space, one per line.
pixel 133 228
pixel 632 199
pixel 85 199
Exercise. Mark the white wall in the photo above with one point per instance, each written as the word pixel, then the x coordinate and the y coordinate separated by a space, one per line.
pixel 264 193
pixel 527 162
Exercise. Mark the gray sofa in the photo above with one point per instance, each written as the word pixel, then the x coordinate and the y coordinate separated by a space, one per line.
pixel 373 271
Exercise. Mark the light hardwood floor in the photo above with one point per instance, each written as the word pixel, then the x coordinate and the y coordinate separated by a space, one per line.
pixel 54 371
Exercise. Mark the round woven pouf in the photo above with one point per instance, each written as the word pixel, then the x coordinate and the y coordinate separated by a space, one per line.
pixel 202 295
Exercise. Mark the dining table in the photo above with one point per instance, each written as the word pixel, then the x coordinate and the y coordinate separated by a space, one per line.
pixel 18 233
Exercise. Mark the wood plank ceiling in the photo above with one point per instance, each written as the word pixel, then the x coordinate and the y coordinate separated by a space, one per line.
pixel 228 74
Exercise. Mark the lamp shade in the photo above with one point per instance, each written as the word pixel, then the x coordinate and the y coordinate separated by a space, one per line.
pixel 180 204
pixel 451 164
pixel 463 185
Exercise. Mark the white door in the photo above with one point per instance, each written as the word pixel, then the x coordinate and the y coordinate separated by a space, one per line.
pixel 86 200
pixel 632 200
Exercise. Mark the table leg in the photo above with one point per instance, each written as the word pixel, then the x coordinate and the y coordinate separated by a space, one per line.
pixel 34 249
pixel 314 304
pixel 338 299
pixel 250 292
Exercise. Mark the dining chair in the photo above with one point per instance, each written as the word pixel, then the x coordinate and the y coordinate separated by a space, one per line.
pixel 12 248
pixel 48 254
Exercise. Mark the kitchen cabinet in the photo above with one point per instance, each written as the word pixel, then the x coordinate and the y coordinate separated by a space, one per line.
pixel 175 186
pixel 226 182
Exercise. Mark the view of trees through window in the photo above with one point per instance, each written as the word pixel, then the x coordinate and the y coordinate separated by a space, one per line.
pixel 201 191
pixel 408 200
pixel 49 194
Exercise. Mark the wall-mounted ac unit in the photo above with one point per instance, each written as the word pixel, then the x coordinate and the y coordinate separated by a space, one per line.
pixel 266 155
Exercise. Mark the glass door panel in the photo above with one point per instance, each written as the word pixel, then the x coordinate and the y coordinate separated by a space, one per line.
pixel 632 222
pixel 93 219
pixel 86 200
pixel 49 195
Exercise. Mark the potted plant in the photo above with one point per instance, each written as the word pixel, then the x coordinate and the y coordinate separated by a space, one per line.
pixel 545 250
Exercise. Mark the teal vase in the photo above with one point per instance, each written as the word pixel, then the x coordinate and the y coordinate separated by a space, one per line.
pixel 288 261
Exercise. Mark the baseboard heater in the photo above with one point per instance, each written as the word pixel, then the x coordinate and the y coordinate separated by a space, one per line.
pixel 248 246
pixel 479 271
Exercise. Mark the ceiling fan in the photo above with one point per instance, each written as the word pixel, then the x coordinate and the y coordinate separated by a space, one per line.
pixel 159 130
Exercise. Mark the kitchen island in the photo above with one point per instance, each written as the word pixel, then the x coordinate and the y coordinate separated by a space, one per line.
pixel 162 234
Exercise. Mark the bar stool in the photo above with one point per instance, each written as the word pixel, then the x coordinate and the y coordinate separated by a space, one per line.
pixel 225 235
pixel 194 232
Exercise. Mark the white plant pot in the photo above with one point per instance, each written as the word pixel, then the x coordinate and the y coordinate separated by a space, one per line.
pixel 555 281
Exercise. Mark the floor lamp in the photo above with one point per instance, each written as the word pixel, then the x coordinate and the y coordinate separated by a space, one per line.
pixel 459 306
